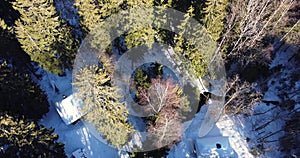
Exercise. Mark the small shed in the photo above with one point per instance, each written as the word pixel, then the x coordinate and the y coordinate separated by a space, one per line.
pixel 79 153
pixel 69 109
pixel 216 147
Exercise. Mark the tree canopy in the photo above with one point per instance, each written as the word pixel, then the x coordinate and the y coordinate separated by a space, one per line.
pixel 44 36
pixel 20 95
pixel 22 138
pixel 103 105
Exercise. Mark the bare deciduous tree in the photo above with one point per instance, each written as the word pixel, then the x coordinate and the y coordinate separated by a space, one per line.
pixel 164 98
pixel 240 96
pixel 160 94
pixel 248 22
pixel 166 131
pixel 289 141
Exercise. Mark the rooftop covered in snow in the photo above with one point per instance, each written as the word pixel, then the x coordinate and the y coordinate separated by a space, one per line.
pixel 69 109
pixel 214 147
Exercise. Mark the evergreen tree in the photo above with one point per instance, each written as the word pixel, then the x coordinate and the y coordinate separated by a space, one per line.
pixel 103 105
pixel 193 58
pixel 43 36
pixel 11 49
pixel 4 27
pixel 19 95
pixel 138 35
pixel 92 13
pixel 7 13
pixel 141 80
pixel 22 138
pixel 215 12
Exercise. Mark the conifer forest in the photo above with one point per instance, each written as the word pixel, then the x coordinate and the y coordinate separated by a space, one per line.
pixel 150 78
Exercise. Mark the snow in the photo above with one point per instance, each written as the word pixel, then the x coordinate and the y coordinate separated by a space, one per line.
pixel 214 147
pixel 297 107
pixel 82 136
pixel 254 134
pixel 233 132
pixel 125 66
pixel 79 153
pixel 4 147
pixel 69 109
pixel 246 135
pixel 222 132
pixel 227 127
pixel 135 142
pixel 263 127
pixel 282 56
pixel 211 115
pixel 69 13
pixel 77 136
pixel 271 95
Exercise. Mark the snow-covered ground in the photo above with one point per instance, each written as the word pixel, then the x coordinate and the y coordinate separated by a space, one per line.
pixel 78 136
pixel 73 136
pixel 224 129
pixel 247 135
pixel 256 134
pixel 265 126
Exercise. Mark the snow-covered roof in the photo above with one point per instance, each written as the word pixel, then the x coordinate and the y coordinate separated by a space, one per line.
pixel 69 109
pixel 214 147
pixel 80 153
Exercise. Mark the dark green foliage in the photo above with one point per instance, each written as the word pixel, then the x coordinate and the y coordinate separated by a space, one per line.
pixel 215 12
pixel 7 13
pixel 143 75
pixel 19 95
pixel 103 104
pixel 93 12
pixel 44 37
pixel 22 138
pixel 137 35
pixel 141 79
pixel 10 48
pixel 193 58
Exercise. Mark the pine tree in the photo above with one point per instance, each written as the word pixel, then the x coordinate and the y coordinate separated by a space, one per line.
pixel 103 105
pixel 138 35
pixel 93 13
pixel 215 12
pixel 22 138
pixel 194 60
pixel 44 36
pixel 19 95
pixel 4 27
pixel 10 47
pixel 141 79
